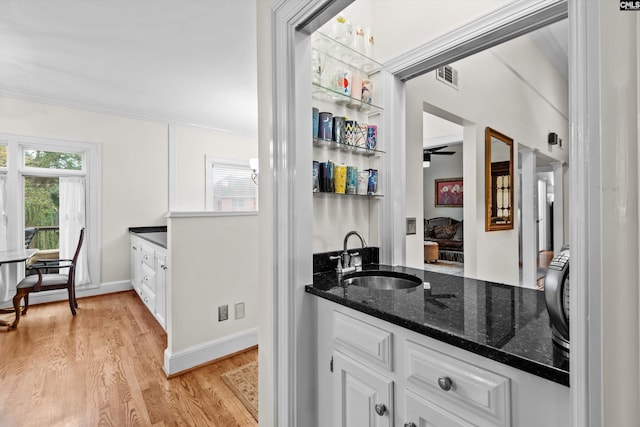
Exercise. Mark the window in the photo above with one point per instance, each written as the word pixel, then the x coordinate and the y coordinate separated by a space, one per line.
pixel 51 191
pixel 53 160
pixel 231 186
pixel 3 155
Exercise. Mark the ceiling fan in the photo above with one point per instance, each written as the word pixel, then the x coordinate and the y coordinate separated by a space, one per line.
pixel 427 152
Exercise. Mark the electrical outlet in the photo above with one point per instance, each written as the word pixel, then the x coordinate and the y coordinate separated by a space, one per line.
pixel 223 312
pixel 239 310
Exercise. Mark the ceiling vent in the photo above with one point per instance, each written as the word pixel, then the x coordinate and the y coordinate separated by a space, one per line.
pixel 448 75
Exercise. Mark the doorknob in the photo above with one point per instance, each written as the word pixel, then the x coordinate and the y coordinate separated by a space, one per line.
pixel 381 409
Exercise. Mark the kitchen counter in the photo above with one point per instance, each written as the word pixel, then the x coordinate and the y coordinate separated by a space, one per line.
pixel 505 323
pixel 157 235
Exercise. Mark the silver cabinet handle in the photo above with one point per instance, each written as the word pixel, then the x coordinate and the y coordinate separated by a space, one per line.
pixel 146 257
pixel 164 267
pixel 409 424
pixel 134 248
pixel 445 383
pixel 380 409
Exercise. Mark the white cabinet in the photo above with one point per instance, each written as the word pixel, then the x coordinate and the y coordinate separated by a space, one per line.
pixel 421 412
pixel 362 396
pixel 148 276
pixel 420 380
pixel 161 288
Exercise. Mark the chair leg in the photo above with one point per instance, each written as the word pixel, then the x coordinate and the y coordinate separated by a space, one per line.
pixel 22 293
pixel 26 303
pixel 72 301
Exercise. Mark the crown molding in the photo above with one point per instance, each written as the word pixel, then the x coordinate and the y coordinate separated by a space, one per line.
pixel 103 109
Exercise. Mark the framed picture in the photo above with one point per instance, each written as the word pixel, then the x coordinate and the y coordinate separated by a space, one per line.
pixel 449 193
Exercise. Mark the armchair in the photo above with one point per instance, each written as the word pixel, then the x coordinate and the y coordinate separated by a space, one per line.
pixel 45 281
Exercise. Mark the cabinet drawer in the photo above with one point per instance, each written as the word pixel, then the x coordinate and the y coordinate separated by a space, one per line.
pixel 362 340
pixel 148 277
pixel 477 394
pixel 147 256
pixel 148 299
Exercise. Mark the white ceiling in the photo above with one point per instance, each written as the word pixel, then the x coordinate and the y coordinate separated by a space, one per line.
pixel 171 60
pixel 183 61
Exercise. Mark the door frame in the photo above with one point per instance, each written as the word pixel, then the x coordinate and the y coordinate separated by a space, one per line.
pixel 292 201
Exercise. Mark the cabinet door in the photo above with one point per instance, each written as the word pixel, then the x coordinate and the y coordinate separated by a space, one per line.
pixel 362 397
pixel 161 291
pixel 422 413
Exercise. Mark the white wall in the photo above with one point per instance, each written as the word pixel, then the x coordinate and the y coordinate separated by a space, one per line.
pixel 212 262
pixel 513 89
pixel 133 164
pixel 193 144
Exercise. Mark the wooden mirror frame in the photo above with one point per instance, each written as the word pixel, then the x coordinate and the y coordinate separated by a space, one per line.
pixel 492 171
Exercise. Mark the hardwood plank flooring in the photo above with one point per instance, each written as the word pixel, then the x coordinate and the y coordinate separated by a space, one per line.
pixel 103 367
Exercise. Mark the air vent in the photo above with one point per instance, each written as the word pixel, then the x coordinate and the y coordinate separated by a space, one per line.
pixel 448 75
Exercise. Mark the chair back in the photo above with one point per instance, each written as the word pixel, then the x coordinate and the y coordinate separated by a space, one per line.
pixel 29 234
pixel 75 255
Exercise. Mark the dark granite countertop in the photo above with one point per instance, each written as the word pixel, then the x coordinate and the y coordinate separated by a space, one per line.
pixel 157 234
pixel 505 323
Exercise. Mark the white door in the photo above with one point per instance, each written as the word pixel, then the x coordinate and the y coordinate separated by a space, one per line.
pixel 362 397
pixel 422 413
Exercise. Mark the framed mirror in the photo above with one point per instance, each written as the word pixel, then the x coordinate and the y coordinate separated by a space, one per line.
pixel 498 181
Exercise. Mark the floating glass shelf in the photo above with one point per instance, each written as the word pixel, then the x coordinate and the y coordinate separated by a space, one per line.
pixel 361 196
pixel 343 53
pixel 332 145
pixel 322 93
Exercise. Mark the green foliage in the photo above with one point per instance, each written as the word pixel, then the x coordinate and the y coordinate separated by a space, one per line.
pixel 41 201
pixel 52 160
pixel 3 155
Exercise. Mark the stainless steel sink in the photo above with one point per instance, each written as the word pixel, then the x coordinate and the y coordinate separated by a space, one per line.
pixel 382 280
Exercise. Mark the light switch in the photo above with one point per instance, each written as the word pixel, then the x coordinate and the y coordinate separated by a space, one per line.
pixel 411 226
pixel 239 310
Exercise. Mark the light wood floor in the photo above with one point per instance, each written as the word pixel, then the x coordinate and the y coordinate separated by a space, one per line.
pixel 104 368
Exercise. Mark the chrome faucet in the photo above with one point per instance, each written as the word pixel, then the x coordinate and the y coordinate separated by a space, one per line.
pixel 349 262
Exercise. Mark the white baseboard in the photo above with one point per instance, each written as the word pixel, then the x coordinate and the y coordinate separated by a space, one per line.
pixel 207 352
pixel 61 295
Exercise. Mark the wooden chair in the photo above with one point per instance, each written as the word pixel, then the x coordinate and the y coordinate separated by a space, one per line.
pixel 29 234
pixel 45 281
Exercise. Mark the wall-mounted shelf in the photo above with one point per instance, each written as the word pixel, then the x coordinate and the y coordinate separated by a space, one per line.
pixel 357 196
pixel 343 53
pixel 322 93
pixel 332 145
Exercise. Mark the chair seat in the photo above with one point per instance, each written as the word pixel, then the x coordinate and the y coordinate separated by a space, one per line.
pixel 47 280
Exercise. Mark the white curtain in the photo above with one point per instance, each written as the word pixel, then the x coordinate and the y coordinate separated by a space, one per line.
pixel 72 220
pixel 4 269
